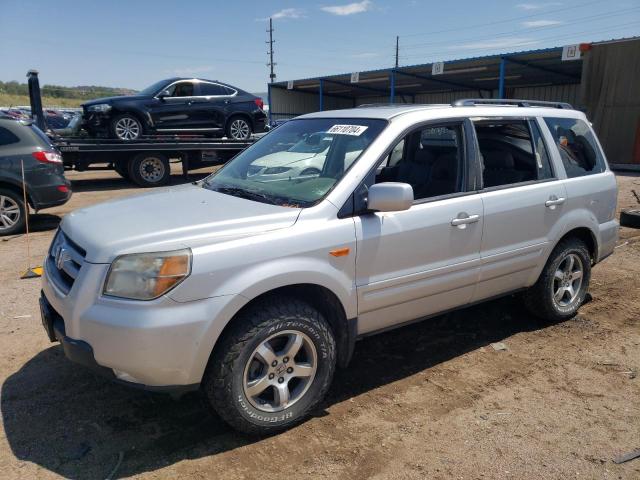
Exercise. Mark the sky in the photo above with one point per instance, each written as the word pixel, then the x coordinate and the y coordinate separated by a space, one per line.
pixel 133 43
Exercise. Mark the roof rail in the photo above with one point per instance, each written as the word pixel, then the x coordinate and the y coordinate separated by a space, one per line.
pixel 470 102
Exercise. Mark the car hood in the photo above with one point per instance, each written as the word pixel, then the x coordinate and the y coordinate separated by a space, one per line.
pixel 110 100
pixel 167 219
pixel 279 159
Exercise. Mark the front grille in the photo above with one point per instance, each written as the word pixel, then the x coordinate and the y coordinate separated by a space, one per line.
pixel 64 261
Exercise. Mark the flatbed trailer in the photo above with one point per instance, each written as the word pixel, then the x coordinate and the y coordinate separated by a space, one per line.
pixel 146 161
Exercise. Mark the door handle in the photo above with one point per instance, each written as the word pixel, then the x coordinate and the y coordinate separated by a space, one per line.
pixel 462 221
pixel 553 201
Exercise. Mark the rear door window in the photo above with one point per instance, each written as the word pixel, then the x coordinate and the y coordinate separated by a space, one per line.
pixel 578 148
pixel 512 152
pixel 212 89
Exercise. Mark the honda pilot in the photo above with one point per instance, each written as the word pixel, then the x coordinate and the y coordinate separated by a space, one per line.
pixel 253 287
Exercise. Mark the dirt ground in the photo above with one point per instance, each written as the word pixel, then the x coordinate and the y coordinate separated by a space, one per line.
pixel 432 400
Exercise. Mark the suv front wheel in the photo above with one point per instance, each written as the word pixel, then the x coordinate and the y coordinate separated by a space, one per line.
pixel 272 368
pixel 126 127
pixel 563 284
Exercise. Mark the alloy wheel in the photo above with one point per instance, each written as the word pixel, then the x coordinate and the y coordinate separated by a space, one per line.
pixel 127 128
pixel 9 212
pixel 567 280
pixel 239 129
pixel 280 371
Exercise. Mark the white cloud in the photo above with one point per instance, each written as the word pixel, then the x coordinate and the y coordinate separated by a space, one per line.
pixel 537 6
pixel 189 71
pixel 292 13
pixel 496 44
pixel 348 9
pixel 541 23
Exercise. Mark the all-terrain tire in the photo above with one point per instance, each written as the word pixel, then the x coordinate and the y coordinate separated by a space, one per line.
pixel 540 299
pixel 224 383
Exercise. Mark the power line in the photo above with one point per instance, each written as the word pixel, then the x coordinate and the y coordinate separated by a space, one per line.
pixel 550 38
pixel 507 20
pixel 576 21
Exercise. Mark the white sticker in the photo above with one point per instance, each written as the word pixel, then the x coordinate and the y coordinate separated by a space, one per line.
pixel 570 52
pixel 355 130
pixel 355 77
pixel 437 68
pixel 290 85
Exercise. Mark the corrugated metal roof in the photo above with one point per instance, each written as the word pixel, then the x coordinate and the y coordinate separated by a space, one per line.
pixel 523 68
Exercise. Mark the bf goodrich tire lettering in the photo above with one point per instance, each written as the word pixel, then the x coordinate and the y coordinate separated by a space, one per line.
pixel 224 382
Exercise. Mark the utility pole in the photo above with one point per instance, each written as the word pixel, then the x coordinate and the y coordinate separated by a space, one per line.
pixel 397 49
pixel 271 64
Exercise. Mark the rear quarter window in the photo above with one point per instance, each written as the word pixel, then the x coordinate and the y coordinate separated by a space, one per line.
pixel 7 137
pixel 41 138
pixel 578 148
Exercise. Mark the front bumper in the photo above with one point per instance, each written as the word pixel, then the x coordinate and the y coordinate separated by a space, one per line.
pixel 160 344
pixel 81 352
pixel 96 122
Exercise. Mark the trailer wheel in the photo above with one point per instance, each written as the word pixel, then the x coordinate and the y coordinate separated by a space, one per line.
pixel 150 169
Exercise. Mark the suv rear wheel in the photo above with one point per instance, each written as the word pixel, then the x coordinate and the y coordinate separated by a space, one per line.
pixel 126 127
pixel 272 368
pixel 563 284
pixel 12 212
pixel 239 128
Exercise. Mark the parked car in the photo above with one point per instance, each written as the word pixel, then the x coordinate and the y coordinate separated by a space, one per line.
pixel 23 144
pixel 177 105
pixel 254 290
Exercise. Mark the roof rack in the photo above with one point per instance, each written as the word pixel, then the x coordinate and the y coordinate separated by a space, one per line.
pixel 470 102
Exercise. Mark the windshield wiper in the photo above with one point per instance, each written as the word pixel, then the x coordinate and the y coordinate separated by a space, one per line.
pixel 248 194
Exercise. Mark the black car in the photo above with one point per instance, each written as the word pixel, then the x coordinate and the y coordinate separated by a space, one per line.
pixel 23 145
pixel 177 105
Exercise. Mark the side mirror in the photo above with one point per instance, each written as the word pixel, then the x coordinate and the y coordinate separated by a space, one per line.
pixel 164 94
pixel 390 197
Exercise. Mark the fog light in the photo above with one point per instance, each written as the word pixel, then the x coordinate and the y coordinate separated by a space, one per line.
pixel 62 188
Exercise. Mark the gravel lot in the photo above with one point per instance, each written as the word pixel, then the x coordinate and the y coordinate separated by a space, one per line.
pixel 431 400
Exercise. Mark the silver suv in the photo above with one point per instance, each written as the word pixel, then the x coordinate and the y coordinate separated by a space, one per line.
pixel 254 283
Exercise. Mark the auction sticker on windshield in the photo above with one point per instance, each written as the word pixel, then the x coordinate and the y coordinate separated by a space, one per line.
pixel 355 130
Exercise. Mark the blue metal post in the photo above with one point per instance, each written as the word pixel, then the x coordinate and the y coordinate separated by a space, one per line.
pixel 321 96
pixel 392 79
pixel 503 63
pixel 269 100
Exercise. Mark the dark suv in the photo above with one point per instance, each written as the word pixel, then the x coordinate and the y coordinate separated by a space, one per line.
pixel 177 105
pixel 24 145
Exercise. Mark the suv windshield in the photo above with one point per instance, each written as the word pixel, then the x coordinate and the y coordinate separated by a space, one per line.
pixel 152 89
pixel 298 163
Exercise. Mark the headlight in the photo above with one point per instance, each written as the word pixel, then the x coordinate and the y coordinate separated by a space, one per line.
pixel 145 276
pixel 275 170
pixel 101 107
